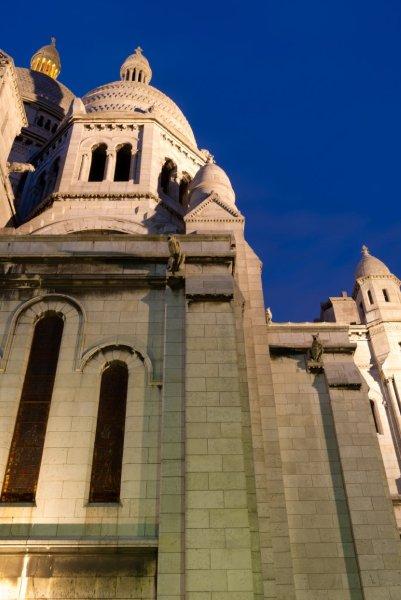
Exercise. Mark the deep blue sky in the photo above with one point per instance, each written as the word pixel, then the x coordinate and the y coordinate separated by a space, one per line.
pixel 299 101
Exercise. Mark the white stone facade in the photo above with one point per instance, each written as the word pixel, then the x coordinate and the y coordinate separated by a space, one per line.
pixel 251 467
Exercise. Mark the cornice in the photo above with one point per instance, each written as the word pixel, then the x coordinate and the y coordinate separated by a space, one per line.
pixel 109 117
pixel 89 196
pixel 361 280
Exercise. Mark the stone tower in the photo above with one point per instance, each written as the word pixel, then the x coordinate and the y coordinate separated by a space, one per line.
pixel 159 438
pixel 374 315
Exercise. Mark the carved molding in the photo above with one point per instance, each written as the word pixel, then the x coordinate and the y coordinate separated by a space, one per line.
pixel 195 216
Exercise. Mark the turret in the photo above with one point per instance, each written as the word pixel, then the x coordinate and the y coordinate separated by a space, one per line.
pixel 377 290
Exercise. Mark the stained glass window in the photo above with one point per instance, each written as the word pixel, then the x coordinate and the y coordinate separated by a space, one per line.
pixel 109 441
pixel 22 471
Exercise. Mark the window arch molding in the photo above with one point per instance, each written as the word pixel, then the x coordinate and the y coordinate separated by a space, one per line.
pixel 95 363
pixel 132 354
pixel 25 317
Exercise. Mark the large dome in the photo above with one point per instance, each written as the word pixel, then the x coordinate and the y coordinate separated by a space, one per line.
pixel 37 87
pixel 133 96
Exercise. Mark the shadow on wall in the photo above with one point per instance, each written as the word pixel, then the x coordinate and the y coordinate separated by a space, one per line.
pixel 337 483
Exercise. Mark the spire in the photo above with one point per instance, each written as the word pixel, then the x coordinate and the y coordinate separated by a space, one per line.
pixel 47 60
pixel 136 68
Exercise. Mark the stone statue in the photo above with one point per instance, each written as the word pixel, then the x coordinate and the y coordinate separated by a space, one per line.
pixel 316 350
pixel 177 257
pixel 18 167
pixel 269 315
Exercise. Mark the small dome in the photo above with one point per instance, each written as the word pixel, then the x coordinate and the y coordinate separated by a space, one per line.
pixel 370 265
pixel 36 87
pixel 136 68
pixel 210 178
pixel 47 60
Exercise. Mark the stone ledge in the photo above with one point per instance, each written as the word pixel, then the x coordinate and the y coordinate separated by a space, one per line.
pixel 287 350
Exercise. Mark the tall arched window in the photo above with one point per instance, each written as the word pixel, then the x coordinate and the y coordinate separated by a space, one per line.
pixel 184 188
pixel 52 176
pixel 109 441
pixel 123 163
pixel 167 175
pixel 23 465
pixel 98 163
pixel 376 418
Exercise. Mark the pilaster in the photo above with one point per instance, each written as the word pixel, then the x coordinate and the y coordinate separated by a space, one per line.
pixel 170 584
pixel 217 528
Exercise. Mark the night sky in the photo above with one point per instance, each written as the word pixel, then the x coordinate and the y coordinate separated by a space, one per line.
pixel 299 101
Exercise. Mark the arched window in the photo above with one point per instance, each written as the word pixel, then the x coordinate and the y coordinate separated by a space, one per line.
pixel 98 163
pixel 109 441
pixel 167 175
pixel 39 188
pixel 376 417
pixel 123 163
pixel 23 465
pixel 47 124
pixel 40 121
pixel 386 296
pixel 53 175
pixel 184 188
pixel 54 128
pixel 370 297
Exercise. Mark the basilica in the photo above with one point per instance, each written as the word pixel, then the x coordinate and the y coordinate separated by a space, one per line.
pixel 161 436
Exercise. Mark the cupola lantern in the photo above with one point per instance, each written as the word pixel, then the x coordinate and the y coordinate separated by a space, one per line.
pixel 47 60
pixel 136 68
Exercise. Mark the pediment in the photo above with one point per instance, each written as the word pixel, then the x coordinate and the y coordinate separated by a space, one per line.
pixel 213 208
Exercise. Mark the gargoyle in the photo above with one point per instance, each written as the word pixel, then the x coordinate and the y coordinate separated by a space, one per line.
pixel 177 257
pixel 316 350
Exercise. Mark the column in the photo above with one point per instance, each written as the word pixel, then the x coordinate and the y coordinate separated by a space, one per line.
pixel 84 170
pixel 110 166
pixel 132 169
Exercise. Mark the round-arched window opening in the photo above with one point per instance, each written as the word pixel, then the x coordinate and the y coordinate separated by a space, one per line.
pixel 123 163
pixel 168 175
pixel 184 190
pixel 98 163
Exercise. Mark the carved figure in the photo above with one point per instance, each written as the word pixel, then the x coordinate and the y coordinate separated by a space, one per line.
pixel 269 315
pixel 18 167
pixel 177 257
pixel 316 349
